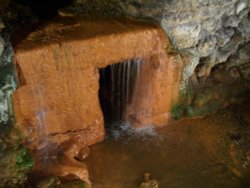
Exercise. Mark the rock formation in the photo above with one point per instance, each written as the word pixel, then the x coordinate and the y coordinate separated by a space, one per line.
pixel 57 65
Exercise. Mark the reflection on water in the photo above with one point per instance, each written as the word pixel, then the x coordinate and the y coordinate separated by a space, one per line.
pixel 189 153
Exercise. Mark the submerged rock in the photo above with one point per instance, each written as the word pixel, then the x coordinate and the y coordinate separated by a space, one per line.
pixel 49 182
pixel 149 183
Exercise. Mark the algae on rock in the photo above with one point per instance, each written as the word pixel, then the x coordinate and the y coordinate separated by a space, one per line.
pixel 15 160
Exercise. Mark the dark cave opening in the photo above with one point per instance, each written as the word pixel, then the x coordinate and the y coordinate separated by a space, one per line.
pixel 44 9
pixel 117 85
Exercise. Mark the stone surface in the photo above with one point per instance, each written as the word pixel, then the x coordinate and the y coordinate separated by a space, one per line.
pixel 214 29
pixel 69 162
pixel 196 24
pixel 57 66
pixel 238 64
pixel 11 16
pixel 7 83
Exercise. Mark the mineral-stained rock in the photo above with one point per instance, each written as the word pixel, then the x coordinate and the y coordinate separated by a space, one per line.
pixel 57 99
pixel 189 24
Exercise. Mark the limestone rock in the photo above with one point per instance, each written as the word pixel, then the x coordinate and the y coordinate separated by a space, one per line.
pixel 192 24
pixel 239 63
pixel 207 45
pixel 7 84
pixel 193 61
pixel 224 36
pixel 244 27
pixel 185 36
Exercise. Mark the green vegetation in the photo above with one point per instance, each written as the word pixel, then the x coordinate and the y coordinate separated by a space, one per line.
pixel 178 111
pixel 15 160
pixel 204 110
pixel 201 104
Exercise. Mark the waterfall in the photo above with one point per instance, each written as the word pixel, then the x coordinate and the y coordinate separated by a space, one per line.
pixel 117 84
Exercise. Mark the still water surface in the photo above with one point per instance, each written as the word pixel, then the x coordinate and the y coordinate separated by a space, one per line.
pixel 187 154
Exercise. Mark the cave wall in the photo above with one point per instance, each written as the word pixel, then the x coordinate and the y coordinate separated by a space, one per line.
pixel 207 33
pixel 12 16
pixel 211 35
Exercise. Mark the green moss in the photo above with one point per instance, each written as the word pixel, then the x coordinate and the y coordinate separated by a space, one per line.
pixel 15 160
pixel 204 110
pixel 15 163
pixel 178 111
pixel 24 161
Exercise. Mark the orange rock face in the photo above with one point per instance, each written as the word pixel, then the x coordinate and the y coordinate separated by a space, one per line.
pixel 57 99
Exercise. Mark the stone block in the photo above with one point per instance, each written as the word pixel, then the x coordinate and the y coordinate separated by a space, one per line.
pixel 57 98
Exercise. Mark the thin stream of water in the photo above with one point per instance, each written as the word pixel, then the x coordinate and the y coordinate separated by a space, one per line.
pixel 123 80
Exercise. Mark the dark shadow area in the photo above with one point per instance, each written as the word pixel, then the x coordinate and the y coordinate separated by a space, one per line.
pixel 44 9
pixel 117 82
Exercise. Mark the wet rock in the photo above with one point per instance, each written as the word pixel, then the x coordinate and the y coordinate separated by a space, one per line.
pixel 65 160
pixel 71 107
pixel 192 25
pixel 206 32
pixel 49 182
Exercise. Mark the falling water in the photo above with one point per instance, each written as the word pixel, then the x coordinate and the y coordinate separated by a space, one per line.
pixel 40 117
pixel 118 83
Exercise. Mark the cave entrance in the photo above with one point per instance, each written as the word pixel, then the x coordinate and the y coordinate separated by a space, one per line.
pixel 118 82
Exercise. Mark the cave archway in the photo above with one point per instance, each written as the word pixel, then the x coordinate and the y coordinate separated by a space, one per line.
pixel 117 85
